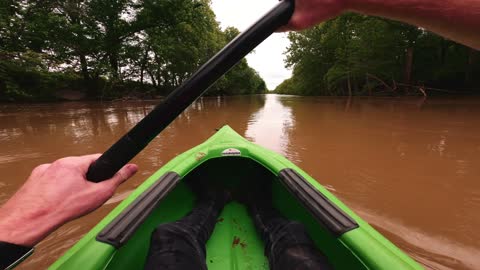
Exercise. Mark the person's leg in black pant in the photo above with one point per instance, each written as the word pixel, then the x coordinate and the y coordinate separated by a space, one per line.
pixel 287 243
pixel 181 245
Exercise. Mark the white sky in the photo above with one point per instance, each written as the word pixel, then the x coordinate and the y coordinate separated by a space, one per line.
pixel 267 58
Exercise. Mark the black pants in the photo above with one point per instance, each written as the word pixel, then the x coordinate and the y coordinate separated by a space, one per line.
pixel 181 245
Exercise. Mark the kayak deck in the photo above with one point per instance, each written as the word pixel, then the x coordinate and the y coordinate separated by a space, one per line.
pixel 122 239
pixel 235 243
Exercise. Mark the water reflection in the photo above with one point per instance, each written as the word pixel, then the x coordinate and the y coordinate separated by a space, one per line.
pixel 391 155
pixel 34 134
pixel 408 166
pixel 269 126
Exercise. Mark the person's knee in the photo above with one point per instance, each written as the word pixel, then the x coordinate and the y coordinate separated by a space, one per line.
pixel 287 235
pixel 301 253
pixel 304 257
pixel 294 226
pixel 287 226
pixel 172 240
pixel 167 231
pixel 292 232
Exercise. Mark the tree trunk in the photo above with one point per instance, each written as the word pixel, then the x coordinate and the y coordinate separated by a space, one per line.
pixel 443 51
pixel 160 82
pixel 355 85
pixel 368 84
pixel 471 62
pixel 152 77
pixel 407 75
pixel 113 59
pixel 143 66
pixel 349 85
pixel 75 20
pixel 84 66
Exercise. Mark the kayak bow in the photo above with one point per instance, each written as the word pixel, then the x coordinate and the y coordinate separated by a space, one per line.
pixel 121 240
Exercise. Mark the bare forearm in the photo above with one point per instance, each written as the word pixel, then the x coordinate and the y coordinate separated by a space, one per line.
pixel 458 20
pixel 26 229
pixel 53 195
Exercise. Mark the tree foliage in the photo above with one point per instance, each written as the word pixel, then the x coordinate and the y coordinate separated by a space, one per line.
pixel 109 48
pixel 361 55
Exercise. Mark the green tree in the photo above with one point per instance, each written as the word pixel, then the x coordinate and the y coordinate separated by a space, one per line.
pixel 241 79
pixel 361 55
pixel 111 48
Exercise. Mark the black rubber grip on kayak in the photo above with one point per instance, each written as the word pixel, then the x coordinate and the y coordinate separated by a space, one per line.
pixel 124 225
pixel 327 213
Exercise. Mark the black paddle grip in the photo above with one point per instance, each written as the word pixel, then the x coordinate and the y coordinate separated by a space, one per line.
pixel 157 120
pixel 113 160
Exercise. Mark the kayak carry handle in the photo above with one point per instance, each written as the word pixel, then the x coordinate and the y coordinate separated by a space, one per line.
pixel 162 115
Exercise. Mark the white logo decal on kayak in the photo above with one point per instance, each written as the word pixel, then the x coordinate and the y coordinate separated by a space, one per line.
pixel 200 156
pixel 231 152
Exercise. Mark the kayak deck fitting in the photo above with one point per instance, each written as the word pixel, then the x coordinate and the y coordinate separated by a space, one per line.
pixel 121 240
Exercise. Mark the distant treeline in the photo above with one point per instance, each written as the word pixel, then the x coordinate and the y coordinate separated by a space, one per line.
pixel 111 48
pixel 361 55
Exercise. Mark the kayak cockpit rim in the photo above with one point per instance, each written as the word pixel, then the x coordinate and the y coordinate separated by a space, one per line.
pixel 327 214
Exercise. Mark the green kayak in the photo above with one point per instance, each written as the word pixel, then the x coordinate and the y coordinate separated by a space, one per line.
pixel 121 240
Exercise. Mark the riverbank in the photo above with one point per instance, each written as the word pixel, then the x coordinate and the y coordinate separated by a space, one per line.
pixel 38 86
pixel 20 84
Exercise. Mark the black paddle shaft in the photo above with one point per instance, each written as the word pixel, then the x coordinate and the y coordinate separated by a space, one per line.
pixel 162 115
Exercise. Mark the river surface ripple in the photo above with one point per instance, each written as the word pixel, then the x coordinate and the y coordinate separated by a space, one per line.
pixel 410 167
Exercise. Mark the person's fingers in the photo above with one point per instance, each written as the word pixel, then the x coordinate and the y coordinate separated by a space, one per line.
pixel 39 170
pixel 90 158
pixel 109 186
pixel 284 28
pixel 312 12
pixel 84 162
pixel 298 22
pixel 124 174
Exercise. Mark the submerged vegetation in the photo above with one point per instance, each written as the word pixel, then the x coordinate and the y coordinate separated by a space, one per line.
pixel 111 48
pixel 361 55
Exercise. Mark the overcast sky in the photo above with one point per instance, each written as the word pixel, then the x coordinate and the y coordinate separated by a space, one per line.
pixel 267 58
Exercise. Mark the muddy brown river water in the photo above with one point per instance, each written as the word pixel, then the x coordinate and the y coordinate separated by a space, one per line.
pixel 410 167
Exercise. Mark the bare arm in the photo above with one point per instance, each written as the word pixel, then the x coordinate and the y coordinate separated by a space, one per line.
pixel 458 20
pixel 53 195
